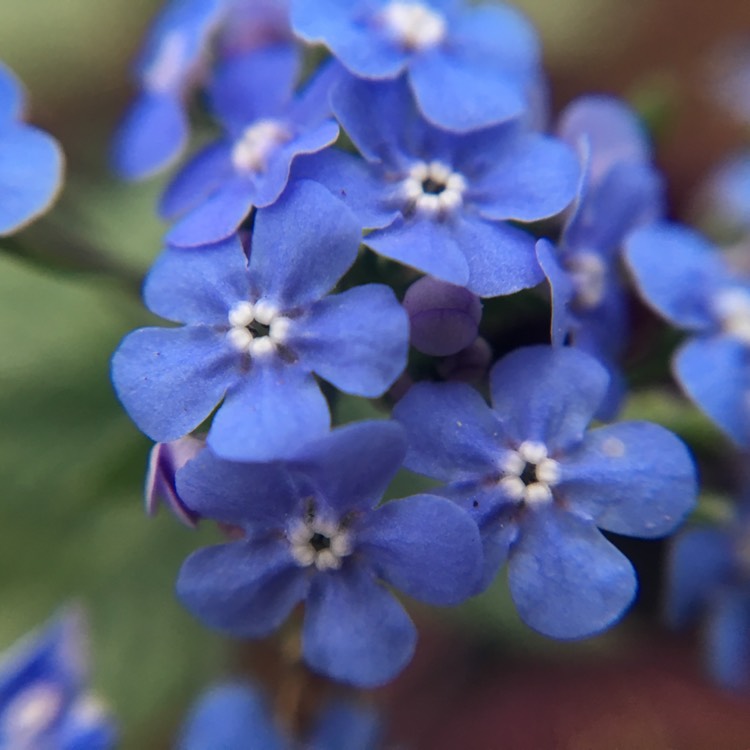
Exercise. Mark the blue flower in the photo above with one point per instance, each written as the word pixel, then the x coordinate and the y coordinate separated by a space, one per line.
pixel 312 533
pixel 31 162
pixel 689 282
pixel 256 331
pixel 726 194
pixel 539 485
pixel 469 67
pixel 155 130
pixel 267 128
pixel 708 579
pixel 230 715
pixel 620 190
pixel 442 202
pixel 44 699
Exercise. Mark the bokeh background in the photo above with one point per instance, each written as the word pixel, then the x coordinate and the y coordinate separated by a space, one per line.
pixel 72 465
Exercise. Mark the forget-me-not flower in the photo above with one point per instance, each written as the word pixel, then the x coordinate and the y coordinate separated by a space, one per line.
pixel 540 486
pixel 256 330
pixel 313 534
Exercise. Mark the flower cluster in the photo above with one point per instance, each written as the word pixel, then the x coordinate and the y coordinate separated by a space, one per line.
pixel 422 138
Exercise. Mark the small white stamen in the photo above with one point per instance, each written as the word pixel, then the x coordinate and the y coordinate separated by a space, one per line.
pixel 253 149
pixel 732 306
pixel 31 712
pixel 265 312
pixel 279 329
pixel 514 487
pixel 245 337
pixel 414 25
pixel 167 70
pixel 588 272
pixel 532 452
pixel 515 464
pixel 512 463
pixel 433 189
pixel 548 471
pixel 328 557
pixel 537 494
pixel 242 314
pixel 613 447
pixel 261 346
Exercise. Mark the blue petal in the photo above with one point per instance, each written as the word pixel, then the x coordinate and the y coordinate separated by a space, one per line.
pixel 561 292
pixel 215 219
pixel 701 561
pixel 633 478
pixel 258 497
pixel 355 631
pixel 357 44
pixel 611 130
pixel 11 95
pixel 198 285
pixel 86 728
pixel 461 94
pixel 728 639
pixel 302 245
pixel 676 271
pixel 715 374
pixel 31 171
pixel 534 177
pixel 357 340
pixel 353 466
pixel 226 717
pixel 245 588
pixel 170 379
pixel 197 180
pixel 425 546
pixel 255 85
pixel 548 394
pixel 501 257
pixel 566 579
pixel 452 434
pixel 273 411
pixel 344 726
pixel 153 134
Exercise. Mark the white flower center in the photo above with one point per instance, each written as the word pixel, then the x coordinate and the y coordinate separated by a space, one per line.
pixel 433 189
pixel 253 149
pixel 317 541
pixel 528 474
pixel 257 328
pixel 167 70
pixel 32 712
pixel 733 309
pixel 414 25
pixel 588 272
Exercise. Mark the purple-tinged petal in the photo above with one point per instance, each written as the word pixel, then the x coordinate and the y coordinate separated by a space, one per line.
pixel 357 340
pixel 11 95
pixel 676 271
pixel 562 292
pixel 274 410
pixel 534 178
pixel 425 546
pixel 715 374
pixel 548 394
pixel 253 25
pixel 170 379
pixel 260 496
pixel 226 716
pixel 452 434
pixel 197 180
pixel 462 95
pixel 215 219
pixel 355 631
pixel 470 365
pixel 566 579
pixel 728 639
pixel 153 134
pixel 501 257
pixel 353 466
pixel 31 172
pixel 613 132
pixel 259 84
pixel 164 462
pixel 424 244
pixel 633 478
pixel 198 285
pixel 247 589
pixel 302 245
pixel 700 562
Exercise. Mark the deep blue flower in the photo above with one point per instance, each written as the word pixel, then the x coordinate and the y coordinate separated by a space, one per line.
pixel 312 533
pixel 620 190
pixel 689 282
pixel 174 59
pixel 31 162
pixel 45 703
pixel 236 716
pixel 708 580
pixel 469 67
pixel 256 331
pixel 267 128
pixel 442 202
pixel 540 486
